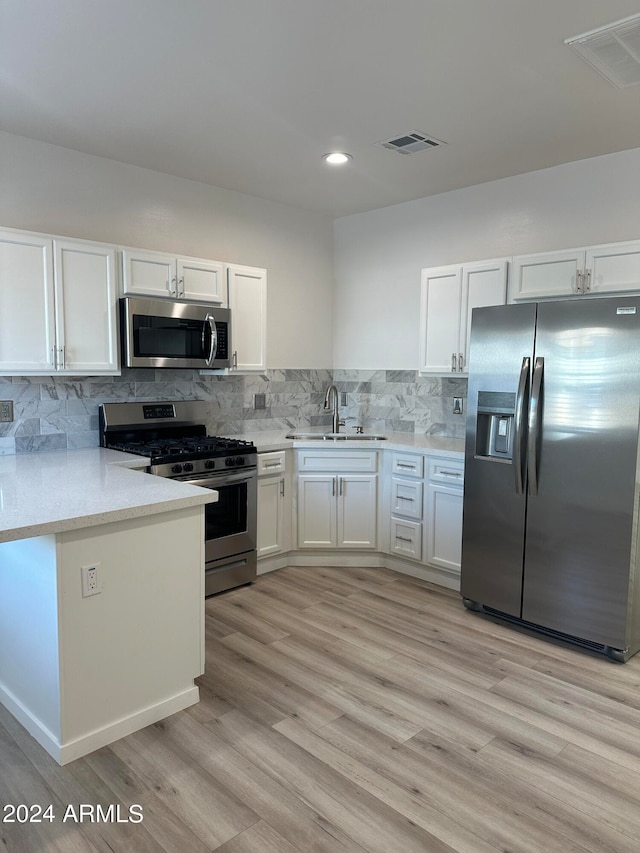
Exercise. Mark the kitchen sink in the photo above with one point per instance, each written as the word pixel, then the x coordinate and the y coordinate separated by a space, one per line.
pixel 334 436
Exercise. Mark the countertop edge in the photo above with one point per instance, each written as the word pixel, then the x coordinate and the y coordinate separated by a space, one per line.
pixel 411 442
pixel 98 519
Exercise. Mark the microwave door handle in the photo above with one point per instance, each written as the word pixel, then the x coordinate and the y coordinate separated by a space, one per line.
pixel 209 319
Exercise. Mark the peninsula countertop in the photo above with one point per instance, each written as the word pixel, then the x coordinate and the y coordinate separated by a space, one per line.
pixel 62 490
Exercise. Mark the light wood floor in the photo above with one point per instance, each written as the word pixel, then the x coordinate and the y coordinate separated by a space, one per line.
pixel 359 710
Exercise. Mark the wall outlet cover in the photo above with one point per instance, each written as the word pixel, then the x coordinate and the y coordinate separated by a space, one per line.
pixel 91 580
pixel 6 411
pixel 259 401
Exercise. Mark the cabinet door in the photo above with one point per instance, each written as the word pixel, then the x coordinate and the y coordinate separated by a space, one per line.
pixel 357 511
pixel 270 515
pixel 547 274
pixel 317 511
pixel 148 274
pixel 440 304
pixel 483 285
pixel 202 281
pixel 85 277
pixel 248 304
pixel 612 269
pixel 444 526
pixel 26 304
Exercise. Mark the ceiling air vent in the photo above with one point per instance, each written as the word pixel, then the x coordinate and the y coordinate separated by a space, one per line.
pixel 613 50
pixel 411 143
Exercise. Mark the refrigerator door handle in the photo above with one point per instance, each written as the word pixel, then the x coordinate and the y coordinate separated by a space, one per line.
pixel 534 426
pixel 520 422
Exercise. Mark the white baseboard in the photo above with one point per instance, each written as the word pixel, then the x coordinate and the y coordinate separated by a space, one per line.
pixel 270 564
pixel 63 753
pixel 363 559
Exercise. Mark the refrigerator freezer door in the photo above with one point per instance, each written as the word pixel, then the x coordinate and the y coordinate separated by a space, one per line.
pixel 502 340
pixel 578 552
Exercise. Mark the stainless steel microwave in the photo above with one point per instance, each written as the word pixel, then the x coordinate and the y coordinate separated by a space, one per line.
pixel 167 333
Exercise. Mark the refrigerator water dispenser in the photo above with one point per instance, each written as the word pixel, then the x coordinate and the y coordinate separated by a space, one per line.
pixel 495 425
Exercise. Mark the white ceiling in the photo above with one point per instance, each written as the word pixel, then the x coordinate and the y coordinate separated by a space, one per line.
pixel 248 94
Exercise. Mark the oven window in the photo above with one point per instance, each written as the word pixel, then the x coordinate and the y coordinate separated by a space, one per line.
pixel 229 515
pixel 169 337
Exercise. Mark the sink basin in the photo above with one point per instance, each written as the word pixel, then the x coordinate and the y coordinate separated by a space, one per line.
pixel 334 436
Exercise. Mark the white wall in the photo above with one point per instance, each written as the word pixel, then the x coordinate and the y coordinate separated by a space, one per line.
pixel 379 255
pixel 55 190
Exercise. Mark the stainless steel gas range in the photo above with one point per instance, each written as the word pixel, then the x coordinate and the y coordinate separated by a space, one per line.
pixel 173 437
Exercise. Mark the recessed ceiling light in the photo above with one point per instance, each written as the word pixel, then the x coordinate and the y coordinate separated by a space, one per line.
pixel 337 158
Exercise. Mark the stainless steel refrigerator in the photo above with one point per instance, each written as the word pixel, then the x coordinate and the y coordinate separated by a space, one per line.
pixel 550 524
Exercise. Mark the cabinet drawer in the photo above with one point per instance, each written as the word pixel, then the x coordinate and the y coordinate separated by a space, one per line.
pixel 365 461
pixel 406 538
pixel 406 497
pixel 443 470
pixel 407 464
pixel 271 463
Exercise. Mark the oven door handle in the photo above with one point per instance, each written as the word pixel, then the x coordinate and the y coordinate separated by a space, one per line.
pixel 220 480
pixel 210 319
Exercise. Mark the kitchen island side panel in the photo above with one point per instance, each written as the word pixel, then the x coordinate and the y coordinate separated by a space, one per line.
pixel 29 654
pixel 138 643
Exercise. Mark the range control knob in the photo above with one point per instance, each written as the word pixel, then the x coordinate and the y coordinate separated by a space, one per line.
pixel 240 460
pixel 176 469
pixel 188 466
pixel 229 461
pixel 210 463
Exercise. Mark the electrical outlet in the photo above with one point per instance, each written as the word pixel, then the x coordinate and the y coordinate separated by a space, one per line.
pixel 457 406
pixel 91 583
pixel 344 400
pixel 259 401
pixel 6 411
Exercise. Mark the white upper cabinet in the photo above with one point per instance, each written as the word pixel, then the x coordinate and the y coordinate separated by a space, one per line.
pixel 161 275
pixel 86 295
pixel 248 304
pixel 440 308
pixel 448 296
pixel 57 306
pixel 27 326
pixel 611 268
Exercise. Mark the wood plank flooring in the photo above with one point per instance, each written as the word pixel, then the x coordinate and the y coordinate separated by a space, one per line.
pixel 358 710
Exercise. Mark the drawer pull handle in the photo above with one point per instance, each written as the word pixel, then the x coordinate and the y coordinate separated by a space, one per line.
pixel 451 473
pixel 403 539
pixel 403 465
pixel 272 464
pixel 401 498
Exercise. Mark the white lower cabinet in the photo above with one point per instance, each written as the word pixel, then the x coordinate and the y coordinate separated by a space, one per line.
pixel 337 505
pixel 405 536
pixel 444 496
pixel 274 504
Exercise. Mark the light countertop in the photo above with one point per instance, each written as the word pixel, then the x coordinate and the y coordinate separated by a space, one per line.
pixel 65 490
pixel 275 440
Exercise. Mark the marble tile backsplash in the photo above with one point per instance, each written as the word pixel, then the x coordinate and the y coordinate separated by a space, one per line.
pixel 57 413
pixel 402 401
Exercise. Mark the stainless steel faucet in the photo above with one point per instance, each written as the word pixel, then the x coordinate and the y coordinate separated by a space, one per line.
pixel 331 400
